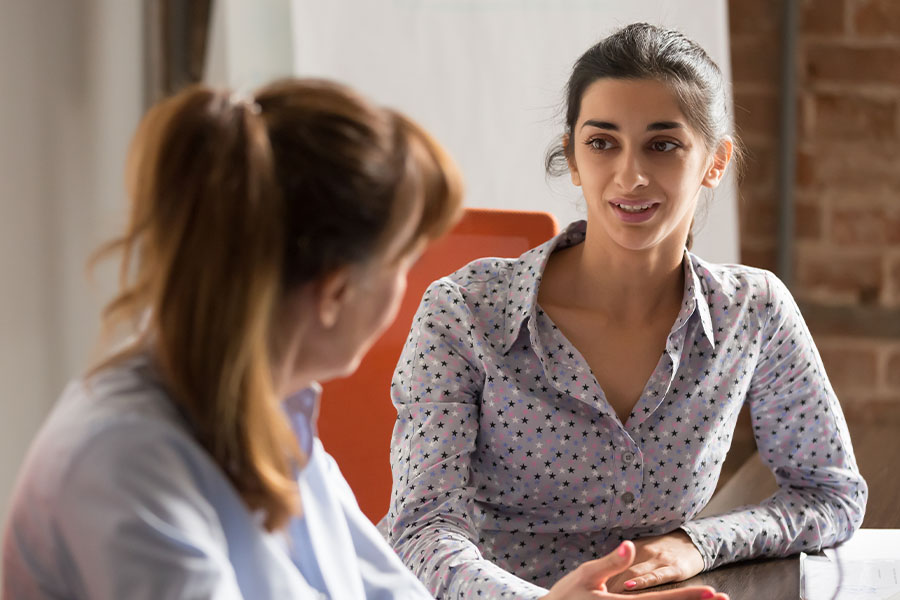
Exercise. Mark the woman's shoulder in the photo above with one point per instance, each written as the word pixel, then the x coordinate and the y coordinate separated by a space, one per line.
pixel 484 279
pixel 109 420
pixel 112 449
pixel 737 282
pixel 481 272
pixel 491 276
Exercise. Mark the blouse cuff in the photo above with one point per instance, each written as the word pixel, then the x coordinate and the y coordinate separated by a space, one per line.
pixel 698 538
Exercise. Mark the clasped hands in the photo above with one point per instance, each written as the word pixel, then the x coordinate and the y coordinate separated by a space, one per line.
pixel 635 566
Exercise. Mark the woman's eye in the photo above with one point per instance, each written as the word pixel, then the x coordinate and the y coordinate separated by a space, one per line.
pixel 599 144
pixel 663 146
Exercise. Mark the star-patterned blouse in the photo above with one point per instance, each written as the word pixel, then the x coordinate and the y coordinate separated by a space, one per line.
pixel 510 467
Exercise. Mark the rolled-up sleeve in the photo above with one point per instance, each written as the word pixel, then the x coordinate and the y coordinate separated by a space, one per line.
pixel 436 390
pixel 802 436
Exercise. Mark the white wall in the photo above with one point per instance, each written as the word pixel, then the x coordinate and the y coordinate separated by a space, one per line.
pixel 72 95
pixel 27 361
pixel 486 77
pixel 250 43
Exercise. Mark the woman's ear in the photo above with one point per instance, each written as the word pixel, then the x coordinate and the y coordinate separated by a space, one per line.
pixel 570 159
pixel 332 292
pixel 720 160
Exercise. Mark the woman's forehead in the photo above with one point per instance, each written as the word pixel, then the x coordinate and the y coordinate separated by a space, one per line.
pixel 627 103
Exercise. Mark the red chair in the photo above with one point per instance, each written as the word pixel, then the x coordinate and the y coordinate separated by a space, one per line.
pixel 356 417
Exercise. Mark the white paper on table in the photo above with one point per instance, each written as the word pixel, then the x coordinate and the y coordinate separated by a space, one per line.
pixel 866 567
pixel 869 544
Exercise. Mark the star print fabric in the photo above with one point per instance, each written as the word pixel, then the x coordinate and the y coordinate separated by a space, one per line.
pixel 510 468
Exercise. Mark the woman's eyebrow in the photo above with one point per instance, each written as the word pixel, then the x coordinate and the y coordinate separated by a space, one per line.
pixel 659 125
pixel 656 126
pixel 600 125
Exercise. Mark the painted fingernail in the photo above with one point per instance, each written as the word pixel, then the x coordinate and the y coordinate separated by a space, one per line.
pixel 707 595
pixel 623 549
pixel 630 584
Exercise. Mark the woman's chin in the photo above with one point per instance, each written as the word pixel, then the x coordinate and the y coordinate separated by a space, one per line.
pixel 636 241
pixel 345 370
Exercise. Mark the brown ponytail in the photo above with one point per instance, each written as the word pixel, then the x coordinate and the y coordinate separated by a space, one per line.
pixel 235 202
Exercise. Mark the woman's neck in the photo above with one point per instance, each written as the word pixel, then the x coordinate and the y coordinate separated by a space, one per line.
pixel 627 286
pixel 290 335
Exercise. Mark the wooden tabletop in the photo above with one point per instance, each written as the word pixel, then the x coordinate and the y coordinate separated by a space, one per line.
pixel 877 451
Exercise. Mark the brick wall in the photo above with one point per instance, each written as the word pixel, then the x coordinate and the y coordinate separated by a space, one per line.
pixel 847 236
pixel 847 200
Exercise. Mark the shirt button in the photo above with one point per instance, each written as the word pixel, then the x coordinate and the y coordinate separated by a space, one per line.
pixel 628 457
pixel 627 497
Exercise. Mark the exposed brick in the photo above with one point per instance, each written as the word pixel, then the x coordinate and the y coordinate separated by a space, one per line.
pixel 756 212
pixel 864 220
pixel 892 376
pixel 758 16
pixel 759 167
pixel 756 112
pixel 763 256
pixel 822 16
pixel 755 59
pixel 892 224
pixel 759 220
pixel 850 369
pixel 877 17
pixel 835 62
pixel 834 277
pixel 894 283
pixel 805 174
pixel 874 323
pixel 866 409
pixel 850 116
pixel 848 165
pixel 847 234
pixel 808 221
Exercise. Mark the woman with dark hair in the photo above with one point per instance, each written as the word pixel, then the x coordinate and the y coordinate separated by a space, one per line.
pixel 553 405
pixel 267 248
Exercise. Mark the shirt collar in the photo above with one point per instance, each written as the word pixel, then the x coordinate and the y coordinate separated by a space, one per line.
pixel 302 410
pixel 694 298
pixel 526 280
pixel 529 269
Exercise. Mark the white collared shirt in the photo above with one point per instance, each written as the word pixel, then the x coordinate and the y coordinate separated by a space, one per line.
pixel 116 499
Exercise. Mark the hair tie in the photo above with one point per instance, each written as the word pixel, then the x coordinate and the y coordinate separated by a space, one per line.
pixel 245 100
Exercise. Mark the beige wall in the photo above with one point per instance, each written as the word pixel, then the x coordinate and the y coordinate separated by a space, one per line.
pixel 72 93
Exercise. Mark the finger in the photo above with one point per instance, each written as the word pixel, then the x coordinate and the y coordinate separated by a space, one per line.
pixel 691 593
pixel 617 583
pixel 653 578
pixel 637 569
pixel 596 572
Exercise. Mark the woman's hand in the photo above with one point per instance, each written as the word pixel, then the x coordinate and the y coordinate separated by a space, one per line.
pixel 588 581
pixel 661 559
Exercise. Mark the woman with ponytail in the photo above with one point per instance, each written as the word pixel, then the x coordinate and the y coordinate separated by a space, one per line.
pixel 268 245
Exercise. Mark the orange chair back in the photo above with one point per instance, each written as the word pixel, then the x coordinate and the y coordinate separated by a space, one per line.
pixel 356 417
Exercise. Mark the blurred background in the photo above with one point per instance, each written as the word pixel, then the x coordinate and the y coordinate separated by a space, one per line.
pixel 816 88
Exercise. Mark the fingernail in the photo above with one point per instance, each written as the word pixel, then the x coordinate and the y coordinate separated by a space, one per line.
pixel 630 584
pixel 623 550
pixel 707 595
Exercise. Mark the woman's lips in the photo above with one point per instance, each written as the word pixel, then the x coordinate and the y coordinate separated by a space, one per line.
pixel 634 211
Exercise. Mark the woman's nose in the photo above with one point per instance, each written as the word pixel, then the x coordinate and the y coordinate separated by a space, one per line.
pixel 631 173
